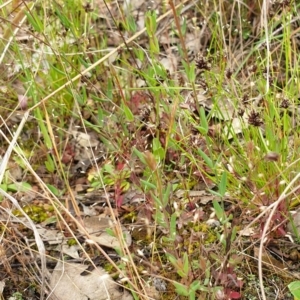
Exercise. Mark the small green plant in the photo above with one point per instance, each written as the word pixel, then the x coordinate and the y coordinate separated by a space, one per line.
pixel 188 285
pixel 110 177
pixel 16 296
pixel 151 26
pixel 113 178
pixel 9 183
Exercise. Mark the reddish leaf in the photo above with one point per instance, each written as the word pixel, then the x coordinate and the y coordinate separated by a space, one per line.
pixel 234 295
pixel 119 200
pixel 120 166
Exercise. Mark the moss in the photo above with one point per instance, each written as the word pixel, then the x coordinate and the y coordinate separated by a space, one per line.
pixel 131 217
pixel 36 213
pixel 72 242
pixel 209 235
pixel 109 268
pixel 199 227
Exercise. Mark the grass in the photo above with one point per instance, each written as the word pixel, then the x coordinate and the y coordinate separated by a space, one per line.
pixel 167 117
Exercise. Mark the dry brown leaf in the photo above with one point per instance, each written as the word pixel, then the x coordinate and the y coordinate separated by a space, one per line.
pixel 51 236
pixel 68 283
pixel 271 262
pixel 96 227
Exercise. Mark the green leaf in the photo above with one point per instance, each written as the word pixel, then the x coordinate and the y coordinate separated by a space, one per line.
pixel 81 98
pixel 195 285
pixel 109 169
pixel 183 26
pixel 131 24
pixel 166 195
pixel 64 20
pixel 173 225
pixel 190 70
pixel 50 166
pixel 158 151
pixel 139 155
pixel 151 24
pixel 219 211
pixel 53 189
pixel 203 120
pixel 294 288
pixel 110 232
pixel 100 117
pixel 139 53
pixel 43 128
pixel 108 180
pixel 19 187
pixel 215 193
pixel 185 264
pixel 233 233
pixel 207 160
pixel 148 184
pixel 172 259
pixel 223 184
pixel 181 289
pixel 160 218
pixel 128 114
pixel 3 187
pixel 125 185
pixel 35 21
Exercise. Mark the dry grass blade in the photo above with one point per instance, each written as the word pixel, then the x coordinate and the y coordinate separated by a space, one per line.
pixel 12 147
pixel 17 22
pixel 267 227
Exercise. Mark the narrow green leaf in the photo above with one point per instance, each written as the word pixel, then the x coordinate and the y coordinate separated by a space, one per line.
pixel 173 225
pixel 156 144
pixel 172 259
pixel 166 195
pixel 100 117
pixel 19 187
pixel 53 189
pixel 66 23
pixel 233 233
pixel 218 210
pixel 203 120
pixel 184 27
pixel 43 129
pixel 35 22
pixel 139 155
pixel 185 264
pixel 202 130
pixel 215 193
pixel 223 184
pixel 148 184
pixel 131 24
pixel 181 289
pixel 207 160
pixel 128 113
pixel 195 285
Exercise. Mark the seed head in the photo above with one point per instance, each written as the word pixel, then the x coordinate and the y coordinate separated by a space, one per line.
pixel 254 119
